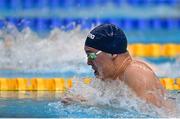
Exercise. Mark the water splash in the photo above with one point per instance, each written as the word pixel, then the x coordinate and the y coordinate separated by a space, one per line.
pixel 59 50
pixel 112 97
pixel 25 50
pixel 169 69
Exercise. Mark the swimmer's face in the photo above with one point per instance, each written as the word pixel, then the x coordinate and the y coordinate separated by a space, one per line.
pixel 102 63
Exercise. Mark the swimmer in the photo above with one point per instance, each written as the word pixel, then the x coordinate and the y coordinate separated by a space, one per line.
pixel 106 49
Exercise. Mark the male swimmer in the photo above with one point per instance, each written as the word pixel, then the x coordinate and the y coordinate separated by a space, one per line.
pixel 106 49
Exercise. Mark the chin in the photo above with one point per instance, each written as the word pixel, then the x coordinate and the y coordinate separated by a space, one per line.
pixel 99 77
pixel 104 77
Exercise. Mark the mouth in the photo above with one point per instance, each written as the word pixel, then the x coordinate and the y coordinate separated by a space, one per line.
pixel 96 73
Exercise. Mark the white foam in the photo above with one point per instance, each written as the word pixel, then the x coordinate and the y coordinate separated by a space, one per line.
pixel 25 50
pixel 113 95
pixel 60 50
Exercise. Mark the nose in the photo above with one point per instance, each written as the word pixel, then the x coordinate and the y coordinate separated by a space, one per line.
pixel 89 62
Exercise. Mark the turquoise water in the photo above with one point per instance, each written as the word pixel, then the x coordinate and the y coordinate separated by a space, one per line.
pixel 43 107
pixel 58 53
pixel 51 108
pixel 49 104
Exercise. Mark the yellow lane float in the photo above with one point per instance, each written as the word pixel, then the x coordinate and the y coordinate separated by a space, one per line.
pixel 154 50
pixel 35 84
pixel 61 84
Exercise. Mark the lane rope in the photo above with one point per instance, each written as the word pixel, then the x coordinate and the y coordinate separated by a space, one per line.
pixel 62 84
pixel 154 50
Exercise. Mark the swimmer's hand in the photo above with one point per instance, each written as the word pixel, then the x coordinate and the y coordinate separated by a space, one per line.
pixel 67 99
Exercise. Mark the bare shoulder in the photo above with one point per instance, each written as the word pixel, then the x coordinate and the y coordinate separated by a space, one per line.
pixel 141 65
pixel 140 77
pixel 138 69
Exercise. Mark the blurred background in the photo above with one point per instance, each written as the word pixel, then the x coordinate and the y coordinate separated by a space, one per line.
pixel 27 28
pixel 133 16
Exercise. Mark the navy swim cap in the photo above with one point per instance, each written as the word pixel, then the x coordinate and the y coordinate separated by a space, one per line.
pixel 107 38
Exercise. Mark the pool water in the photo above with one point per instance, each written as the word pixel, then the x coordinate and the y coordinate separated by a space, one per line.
pixel 102 103
pixel 60 54
pixel 54 108
pixel 18 108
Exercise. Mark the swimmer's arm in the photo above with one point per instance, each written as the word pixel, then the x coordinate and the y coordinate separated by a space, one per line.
pixel 68 98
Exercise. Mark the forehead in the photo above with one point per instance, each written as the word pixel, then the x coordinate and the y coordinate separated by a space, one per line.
pixel 89 49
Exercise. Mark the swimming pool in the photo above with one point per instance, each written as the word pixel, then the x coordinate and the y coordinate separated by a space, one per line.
pixel 101 102
pixel 59 53
pixel 47 104
pixel 32 56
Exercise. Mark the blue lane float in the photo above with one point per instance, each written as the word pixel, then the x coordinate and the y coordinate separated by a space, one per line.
pixel 3 4
pixel 132 24
pixel 137 2
pixel 12 20
pixel 27 4
pixel 22 23
pixel 39 4
pixel 55 23
pixel 27 22
pixel 167 2
pixel 65 3
pixel 152 2
pixel 163 23
pixel 85 3
pixel 41 24
pixel 54 4
pixel 14 4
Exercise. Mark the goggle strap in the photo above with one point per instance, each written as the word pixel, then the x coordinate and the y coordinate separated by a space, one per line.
pixel 98 52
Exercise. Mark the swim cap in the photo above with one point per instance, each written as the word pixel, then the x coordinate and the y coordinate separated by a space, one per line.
pixel 107 38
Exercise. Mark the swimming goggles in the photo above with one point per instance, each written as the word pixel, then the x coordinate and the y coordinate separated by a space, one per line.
pixel 93 56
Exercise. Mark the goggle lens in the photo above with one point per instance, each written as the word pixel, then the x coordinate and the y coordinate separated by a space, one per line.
pixel 92 56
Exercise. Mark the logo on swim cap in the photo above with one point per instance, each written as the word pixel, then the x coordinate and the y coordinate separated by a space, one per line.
pixel 91 36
